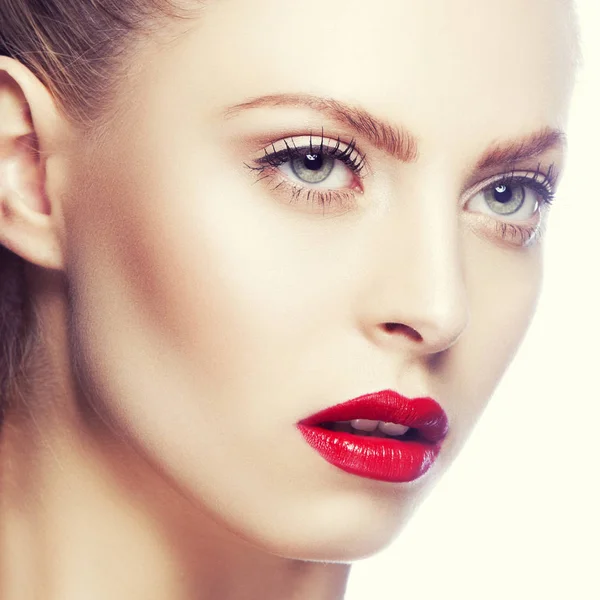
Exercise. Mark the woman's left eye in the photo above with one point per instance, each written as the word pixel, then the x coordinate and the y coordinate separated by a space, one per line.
pixel 516 203
pixel 508 199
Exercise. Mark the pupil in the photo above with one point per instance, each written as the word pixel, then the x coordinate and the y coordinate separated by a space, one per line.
pixel 502 193
pixel 313 161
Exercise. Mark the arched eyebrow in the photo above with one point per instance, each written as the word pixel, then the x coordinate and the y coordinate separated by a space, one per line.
pixel 392 140
pixel 534 145
pixel 399 142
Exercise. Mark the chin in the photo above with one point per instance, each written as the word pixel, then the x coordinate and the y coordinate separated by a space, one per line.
pixel 351 544
pixel 339 528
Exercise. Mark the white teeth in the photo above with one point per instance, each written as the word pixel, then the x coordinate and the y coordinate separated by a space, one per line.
pixel 364 424
pixel 370 426
pixel 392 428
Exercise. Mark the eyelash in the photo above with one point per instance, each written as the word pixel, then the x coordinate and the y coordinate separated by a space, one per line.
pixel 324 197
pixel 277 158
pixel 540 182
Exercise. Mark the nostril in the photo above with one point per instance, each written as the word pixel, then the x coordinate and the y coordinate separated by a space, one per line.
pixel 405 329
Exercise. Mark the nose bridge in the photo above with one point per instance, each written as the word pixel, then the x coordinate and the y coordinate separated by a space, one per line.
pixel 419 292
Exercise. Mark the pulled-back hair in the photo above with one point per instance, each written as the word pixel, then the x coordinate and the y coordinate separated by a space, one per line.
pixel 79 50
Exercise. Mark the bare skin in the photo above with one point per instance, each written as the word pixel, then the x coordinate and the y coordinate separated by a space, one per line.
pixel 195 309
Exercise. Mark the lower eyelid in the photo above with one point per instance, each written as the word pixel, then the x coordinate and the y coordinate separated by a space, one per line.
pixel 511 235
pixel 525 236
pixel 322 200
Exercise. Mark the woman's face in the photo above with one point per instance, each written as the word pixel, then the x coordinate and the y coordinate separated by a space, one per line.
pixel 224 287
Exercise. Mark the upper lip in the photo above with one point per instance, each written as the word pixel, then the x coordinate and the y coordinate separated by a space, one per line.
pixel 423 413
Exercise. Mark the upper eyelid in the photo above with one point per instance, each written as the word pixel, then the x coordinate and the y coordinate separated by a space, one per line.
pixel 323 142
pixel 538 177
pixel 339 149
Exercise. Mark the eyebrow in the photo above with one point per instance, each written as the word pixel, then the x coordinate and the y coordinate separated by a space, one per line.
pixel 392 140
pixel 399 142
pixel 525 148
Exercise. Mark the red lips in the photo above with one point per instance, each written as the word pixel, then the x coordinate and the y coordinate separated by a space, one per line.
pixel 385 459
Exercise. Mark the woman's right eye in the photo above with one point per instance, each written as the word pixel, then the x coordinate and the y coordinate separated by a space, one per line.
pixel 325 174
pixel 318 169
pixel 329 161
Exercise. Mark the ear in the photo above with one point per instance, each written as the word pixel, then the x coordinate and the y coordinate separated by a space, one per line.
pixel 29 125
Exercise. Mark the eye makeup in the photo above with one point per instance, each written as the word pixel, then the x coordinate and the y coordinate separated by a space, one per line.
pixel 323 173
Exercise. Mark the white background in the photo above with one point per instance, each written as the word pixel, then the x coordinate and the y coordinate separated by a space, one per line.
pixel 517 515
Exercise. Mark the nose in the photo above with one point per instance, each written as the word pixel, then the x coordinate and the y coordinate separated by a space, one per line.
pixel 415 296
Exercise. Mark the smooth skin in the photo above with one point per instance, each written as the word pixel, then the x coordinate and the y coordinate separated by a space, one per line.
pixel 195 309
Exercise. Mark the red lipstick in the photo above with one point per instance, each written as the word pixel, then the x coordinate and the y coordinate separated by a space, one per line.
pixel 394 459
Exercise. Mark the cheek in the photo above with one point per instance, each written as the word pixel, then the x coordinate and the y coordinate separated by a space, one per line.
pixel 191 277
pixel 217 286
pixel 503 292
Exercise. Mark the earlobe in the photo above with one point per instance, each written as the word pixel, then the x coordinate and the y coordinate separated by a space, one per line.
pixel 28 119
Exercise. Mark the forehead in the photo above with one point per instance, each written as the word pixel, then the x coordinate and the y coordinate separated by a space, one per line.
pixel 437 67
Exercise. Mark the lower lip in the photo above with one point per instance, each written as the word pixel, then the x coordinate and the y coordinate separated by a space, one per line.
pixel 384 459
